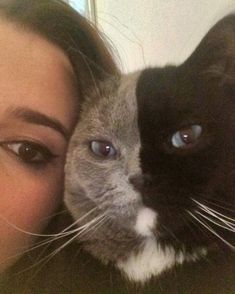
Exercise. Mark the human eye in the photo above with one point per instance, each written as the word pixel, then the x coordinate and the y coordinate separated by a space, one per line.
pixel 29 152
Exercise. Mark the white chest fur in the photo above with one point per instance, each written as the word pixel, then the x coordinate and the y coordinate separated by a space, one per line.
pixel 152 260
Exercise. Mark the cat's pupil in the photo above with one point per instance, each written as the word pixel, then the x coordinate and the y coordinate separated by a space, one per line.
pixel 105 149
pixel 186 137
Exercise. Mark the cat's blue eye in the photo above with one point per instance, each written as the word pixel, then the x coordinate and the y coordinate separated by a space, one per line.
pixel 187 137
pixel 103 149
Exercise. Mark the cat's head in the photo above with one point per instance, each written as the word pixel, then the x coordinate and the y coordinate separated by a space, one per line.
pixel 150 173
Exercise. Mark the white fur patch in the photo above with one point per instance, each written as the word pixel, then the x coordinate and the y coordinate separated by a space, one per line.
pixel 145 222
pixel 152 261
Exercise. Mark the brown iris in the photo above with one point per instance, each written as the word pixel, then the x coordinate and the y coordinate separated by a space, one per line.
pixel 28 152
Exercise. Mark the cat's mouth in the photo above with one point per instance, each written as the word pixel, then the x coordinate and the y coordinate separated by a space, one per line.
pixel 166 229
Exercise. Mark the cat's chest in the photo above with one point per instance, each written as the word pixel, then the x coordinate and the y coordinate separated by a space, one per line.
pixel 214 274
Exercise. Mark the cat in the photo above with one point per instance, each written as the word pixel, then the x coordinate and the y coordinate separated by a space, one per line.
pixel 150 171
pixel 150 183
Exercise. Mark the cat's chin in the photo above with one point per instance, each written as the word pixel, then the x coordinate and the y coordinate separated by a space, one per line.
pixel 152 260
pixel 157 253
pixel 148 226
pixel 146 222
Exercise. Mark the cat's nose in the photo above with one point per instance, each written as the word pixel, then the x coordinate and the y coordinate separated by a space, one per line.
pixel 141 181
pixel 138 181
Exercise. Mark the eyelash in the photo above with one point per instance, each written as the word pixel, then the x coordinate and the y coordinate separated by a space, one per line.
pixel 40 155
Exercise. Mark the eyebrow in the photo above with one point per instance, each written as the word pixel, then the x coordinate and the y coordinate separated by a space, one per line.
pixel 35 117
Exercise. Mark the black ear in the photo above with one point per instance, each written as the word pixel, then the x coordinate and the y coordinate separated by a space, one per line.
pixel 215 55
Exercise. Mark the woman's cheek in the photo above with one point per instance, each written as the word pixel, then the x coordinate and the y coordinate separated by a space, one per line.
pixel 27 200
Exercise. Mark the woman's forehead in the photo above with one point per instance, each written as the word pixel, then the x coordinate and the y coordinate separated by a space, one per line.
pixel 35 73
pixel 17 41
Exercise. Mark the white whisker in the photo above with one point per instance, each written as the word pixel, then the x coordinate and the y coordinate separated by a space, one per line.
pixel 88 227
pixel 38 245
pixel 213 211
pixel 216 223
pixel 220 206
pixel 228 223
pixel 80 230
pixel 98 224
pixel 55 237
pixel 64 232
pixel 48 257
pixel 211 230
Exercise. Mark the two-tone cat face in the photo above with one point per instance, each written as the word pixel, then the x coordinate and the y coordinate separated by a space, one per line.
pixel 150 174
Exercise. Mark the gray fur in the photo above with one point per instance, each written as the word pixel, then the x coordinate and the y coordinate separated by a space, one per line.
pixel 92 182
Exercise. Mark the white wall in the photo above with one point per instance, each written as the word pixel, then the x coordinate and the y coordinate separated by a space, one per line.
pixel 157 32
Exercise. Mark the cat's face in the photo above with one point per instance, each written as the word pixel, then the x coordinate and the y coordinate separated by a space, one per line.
pixel 150 174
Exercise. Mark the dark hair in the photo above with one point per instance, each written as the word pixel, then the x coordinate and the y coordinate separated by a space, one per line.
pixel 65 27
pixel 81 42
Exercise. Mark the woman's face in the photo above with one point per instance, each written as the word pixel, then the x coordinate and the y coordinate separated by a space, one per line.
pixel 37 114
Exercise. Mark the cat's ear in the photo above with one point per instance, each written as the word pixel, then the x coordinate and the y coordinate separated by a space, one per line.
pixel 215 55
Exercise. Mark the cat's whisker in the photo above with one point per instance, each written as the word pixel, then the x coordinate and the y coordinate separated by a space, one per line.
pixel 99 220
pixel 62 233
pixel 211 230
pixel 97 225
pixel 170 232
pixel 216 223
pixel 199 228
pixel 214 212
pixel 40 244
pixel 224 221
pixel 217 203
pixel 47 258
pixel 55 237
pixel 54 215
pixel 80 230
pixel 77 230
pixel 27 232
pixel 79 219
